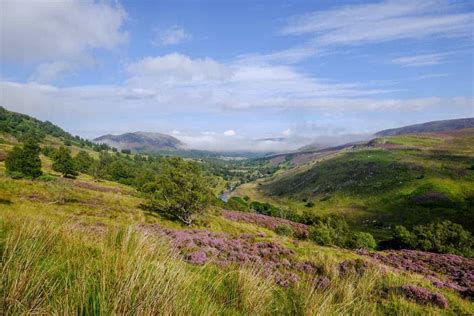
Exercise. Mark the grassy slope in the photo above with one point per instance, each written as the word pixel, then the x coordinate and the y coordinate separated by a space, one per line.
pixel 385 182
pixel 70 247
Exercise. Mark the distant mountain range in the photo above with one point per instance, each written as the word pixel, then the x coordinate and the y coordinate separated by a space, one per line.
pixel 430 127
pixel 142 141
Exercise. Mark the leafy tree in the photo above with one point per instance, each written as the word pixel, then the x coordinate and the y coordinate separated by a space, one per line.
pixel 83 161
pixel 121 171
pixel 63 162
pixel 180 192
pixel 24 161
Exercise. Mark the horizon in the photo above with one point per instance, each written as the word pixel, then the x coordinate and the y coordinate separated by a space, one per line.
pixel 221 76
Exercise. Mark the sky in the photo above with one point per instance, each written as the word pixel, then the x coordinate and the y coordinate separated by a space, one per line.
pixel 238 75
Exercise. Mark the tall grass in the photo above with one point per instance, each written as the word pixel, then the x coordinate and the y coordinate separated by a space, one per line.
pixel 52 268
pixel 46 269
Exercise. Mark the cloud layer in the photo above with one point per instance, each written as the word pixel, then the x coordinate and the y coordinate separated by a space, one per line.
pixel 51 30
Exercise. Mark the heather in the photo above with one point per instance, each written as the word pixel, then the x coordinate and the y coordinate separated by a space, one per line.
pixel 424 296
pixel 202 246
pixel 270 222
pixel 443 270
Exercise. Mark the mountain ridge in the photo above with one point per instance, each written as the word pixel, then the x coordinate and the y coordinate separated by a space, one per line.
pixel 141 141
pixel 429 127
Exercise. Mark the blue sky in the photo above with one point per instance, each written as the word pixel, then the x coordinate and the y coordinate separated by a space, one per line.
pixel 224 74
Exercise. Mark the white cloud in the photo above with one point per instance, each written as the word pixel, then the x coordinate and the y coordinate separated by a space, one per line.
pixel 38 31
pixel 47 72
pixel 286 132
pixel 420 60
pixel 180 67
pixel 220 142
pixel 230 132
pixel 380 22
pixel 171 36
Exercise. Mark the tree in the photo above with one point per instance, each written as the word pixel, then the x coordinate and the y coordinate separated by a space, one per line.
pixel 180 191
pixel 24 161
pixel 63 162
pixel 83 161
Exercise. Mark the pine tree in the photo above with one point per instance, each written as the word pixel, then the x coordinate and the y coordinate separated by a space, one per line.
pixel 63 162
pixel 83 161
pixel 24 162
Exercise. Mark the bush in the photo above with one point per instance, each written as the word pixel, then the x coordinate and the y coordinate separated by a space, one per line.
pixel 182 191
pixel 46 178
pixel 238 204
pixel 309 204
pixel 322 235
pixel 284 230
pixel 362 240
pixel 444 237
pixel 24 161
pixel 331 231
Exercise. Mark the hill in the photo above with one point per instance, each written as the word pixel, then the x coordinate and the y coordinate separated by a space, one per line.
pixel 142 141
pixel 409 180
pixel 430 127
pixel 19 125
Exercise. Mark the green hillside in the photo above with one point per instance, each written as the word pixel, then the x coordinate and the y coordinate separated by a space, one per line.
pixel 407 180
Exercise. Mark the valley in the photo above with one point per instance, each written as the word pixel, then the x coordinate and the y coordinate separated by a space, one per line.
pixel 264 233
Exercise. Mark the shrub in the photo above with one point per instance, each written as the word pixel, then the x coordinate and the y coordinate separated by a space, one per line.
pixel 444 237
pixel 284 230
pixel 182 191
pixel 126 151
pixel 309 204
pixel 322 235
pixel 46 178
pixel 362 240
pixel 24 161
pixel 237 203
pixel 331 231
